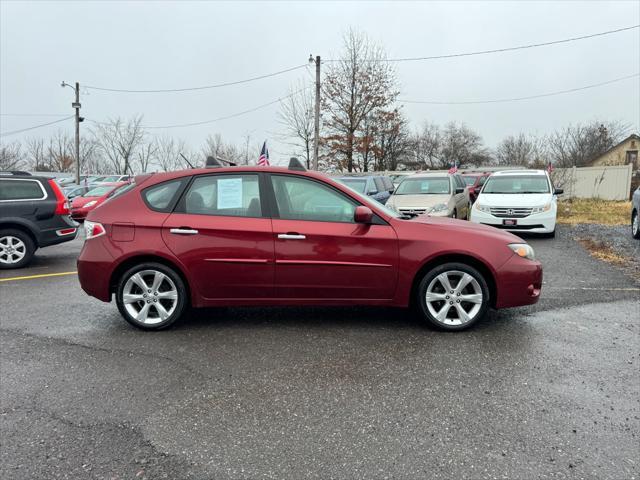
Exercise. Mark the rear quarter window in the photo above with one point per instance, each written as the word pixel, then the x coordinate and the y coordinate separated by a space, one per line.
pixel 15 189
pixel 162 197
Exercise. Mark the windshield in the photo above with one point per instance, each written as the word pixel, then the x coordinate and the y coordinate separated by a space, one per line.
pixel 113 178
pixel 372 203
pixel 469 180
pixel 357 184
pixel 99 191
pixel 424 186
pixel 517 184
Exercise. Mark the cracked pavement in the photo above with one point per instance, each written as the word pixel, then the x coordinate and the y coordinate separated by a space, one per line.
pixel 548 391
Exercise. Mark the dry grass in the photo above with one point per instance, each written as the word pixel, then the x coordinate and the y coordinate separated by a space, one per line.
pixel 602 251
pixel 605 212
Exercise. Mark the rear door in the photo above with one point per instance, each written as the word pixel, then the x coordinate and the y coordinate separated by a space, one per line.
pixel 320 252
pixel 221 232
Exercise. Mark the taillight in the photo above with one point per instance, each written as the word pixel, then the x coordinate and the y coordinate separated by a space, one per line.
pixel 93 229
pixel 62 206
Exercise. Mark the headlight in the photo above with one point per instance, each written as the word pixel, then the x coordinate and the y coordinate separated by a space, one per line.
pixel 439 207
pixel 90 204
pixel 482 208
pixel 544 208
pixel 523 250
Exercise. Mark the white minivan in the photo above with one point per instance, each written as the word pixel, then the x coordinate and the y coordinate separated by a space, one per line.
pixel 518 201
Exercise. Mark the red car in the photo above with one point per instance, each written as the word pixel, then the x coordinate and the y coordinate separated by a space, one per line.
pixel 278 236
pixel 81 206
pixel 474 182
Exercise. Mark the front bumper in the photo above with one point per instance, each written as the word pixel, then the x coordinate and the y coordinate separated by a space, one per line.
pixel 519 282
pixel 535 223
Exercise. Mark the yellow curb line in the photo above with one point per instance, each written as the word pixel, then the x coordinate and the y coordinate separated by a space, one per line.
pixel 43 275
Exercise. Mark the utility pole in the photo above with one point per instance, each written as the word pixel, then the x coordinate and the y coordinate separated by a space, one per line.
pixel 79 119
pixel 316 126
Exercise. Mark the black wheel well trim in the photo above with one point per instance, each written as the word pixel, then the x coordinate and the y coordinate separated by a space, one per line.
pixel 145 258
pixel 22 227
pixel 456 258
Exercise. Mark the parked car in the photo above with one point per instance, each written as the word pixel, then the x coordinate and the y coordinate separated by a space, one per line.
pixel 438 194
pixel 474 182
pixel 33 214
pixel 74 191
pixel 635 211
pixel 278 236
pixel 110 179
pixel 82 205
pixel 519 201
pixel 378 187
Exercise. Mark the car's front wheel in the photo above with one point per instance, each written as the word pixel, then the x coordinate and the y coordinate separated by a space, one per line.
pixel 16 249
pixel 453 296
pixel 151 296
pixel 635 228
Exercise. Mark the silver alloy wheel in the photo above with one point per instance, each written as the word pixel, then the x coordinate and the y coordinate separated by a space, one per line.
pixel 635 225
pixel 454 298
pixel 12 250
pixel 149 297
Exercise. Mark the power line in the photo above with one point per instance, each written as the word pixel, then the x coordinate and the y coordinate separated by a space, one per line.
pixel 4 134
pixel 507 49
pixel 188 89
pixel 33 114
pixel 226 117
pixel 530 97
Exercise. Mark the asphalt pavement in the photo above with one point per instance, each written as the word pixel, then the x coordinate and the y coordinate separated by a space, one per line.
pixel 547 391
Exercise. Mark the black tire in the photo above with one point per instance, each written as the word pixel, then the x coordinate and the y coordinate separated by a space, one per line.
pixel 455 213
pixel 27 246
pixel 155 323
pixel 427 280
pixel 635 231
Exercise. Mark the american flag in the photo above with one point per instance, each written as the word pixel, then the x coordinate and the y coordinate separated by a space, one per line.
pixel 454 168
pixel 263 159
pixel 549 167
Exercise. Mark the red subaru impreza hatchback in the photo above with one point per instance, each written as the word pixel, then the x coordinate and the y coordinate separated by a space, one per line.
pixel 278 236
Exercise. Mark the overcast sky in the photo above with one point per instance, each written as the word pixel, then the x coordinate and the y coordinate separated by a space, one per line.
pixel 156 45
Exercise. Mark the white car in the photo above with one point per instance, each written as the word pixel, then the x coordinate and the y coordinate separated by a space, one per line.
pixel 518 201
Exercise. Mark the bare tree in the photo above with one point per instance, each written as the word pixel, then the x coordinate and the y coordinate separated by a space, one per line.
pixel 460 145
pixel 145 155
pixel 427 146
pixel 11 156
pixel 119 140
pixel 356 85
pixel 522 150
pixel 37 157
pixel 216 147
pixel 296 115
pixel 60 152
pixel 167 154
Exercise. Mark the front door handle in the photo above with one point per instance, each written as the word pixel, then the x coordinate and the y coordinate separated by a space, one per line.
pixel 291 236
pixel 184 231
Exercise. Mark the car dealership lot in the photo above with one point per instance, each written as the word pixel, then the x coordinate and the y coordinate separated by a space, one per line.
pixel 547 391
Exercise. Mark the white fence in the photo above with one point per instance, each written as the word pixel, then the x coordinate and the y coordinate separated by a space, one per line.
pixel 607 183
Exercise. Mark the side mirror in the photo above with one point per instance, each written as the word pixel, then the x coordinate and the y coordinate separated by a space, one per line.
pixel 363 215
pixel 558 191
pixel 459 189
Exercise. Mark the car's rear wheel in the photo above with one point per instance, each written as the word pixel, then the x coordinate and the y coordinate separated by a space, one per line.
pixel 635 228
pixel 16 249
pixel 151 296
pixel 453 296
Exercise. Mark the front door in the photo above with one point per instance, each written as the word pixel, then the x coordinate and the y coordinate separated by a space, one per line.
pixel 219 233
pixel 321 253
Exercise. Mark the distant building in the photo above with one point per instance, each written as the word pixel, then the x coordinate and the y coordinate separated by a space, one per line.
pixel 621 154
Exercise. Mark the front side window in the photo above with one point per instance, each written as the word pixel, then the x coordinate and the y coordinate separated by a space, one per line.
pixel 20 190
pixel 224 195
pixel 302 199
pixel 424 185
pixel 517 184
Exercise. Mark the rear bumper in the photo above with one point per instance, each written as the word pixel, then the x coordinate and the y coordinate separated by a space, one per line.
pixel 95 266
pixel 537 223
pixel 59 230
pixel 519 283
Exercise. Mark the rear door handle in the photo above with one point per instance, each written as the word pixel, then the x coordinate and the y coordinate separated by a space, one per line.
pixel 291 236
pixel 184 231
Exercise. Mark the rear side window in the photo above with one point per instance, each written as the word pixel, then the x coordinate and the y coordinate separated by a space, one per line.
pixel 224 195
pixel 21 190
pixel 161 197
pixel 388 184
